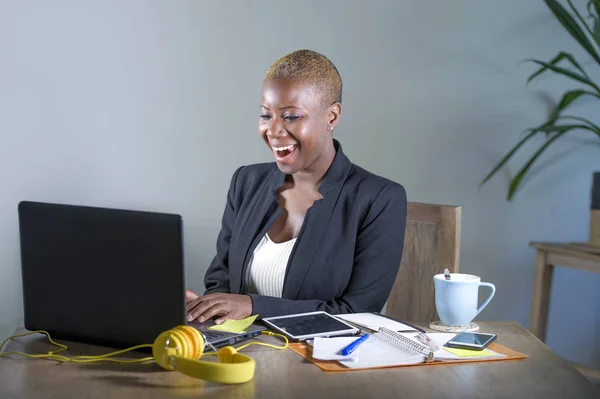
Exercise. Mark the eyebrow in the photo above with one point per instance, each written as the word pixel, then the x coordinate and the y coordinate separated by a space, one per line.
pixel 282 108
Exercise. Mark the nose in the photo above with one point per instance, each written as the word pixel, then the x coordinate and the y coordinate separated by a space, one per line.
pixel 276 128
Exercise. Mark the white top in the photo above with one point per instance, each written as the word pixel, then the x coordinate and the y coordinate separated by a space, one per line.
pixel 266 269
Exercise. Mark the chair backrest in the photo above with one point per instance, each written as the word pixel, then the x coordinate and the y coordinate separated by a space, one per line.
pixel 431 244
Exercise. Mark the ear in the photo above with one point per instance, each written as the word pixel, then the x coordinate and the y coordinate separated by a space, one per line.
pixel 333 116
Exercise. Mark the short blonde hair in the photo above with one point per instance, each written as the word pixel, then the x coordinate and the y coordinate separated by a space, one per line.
pixel 313 68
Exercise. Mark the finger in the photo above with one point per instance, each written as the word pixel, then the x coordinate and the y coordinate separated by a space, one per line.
pixel 205 298
pixel 196 312
pixel 190 295
pixel 192 304
pixel 219 309
pixel 223 318
pixel 234 314
pixel 199 311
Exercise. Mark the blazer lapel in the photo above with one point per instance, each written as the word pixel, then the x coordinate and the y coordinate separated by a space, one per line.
pixel 260 217
pixel 315 224
pixel 263 213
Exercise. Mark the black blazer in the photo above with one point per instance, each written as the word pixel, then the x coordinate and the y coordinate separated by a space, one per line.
pixel 346 256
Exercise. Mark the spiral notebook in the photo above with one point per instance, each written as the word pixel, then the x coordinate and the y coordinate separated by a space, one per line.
pixel 388 348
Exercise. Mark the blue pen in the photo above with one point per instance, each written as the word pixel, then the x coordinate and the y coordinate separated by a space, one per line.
pixel 352 347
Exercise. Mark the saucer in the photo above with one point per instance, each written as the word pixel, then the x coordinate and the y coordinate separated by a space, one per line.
pixel 439 326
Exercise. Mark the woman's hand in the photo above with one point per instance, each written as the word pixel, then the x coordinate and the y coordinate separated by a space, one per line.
pixel 190 296
pixel 228 306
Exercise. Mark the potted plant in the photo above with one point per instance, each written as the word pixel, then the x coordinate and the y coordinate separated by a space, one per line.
pixel 584 27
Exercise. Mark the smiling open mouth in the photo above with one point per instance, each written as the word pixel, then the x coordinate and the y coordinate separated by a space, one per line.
pixel 283 152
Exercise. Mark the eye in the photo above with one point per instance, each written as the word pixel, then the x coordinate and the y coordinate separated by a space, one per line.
pixel 291 118
pixel 265 117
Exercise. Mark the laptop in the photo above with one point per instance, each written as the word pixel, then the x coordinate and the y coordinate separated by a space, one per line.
pixel 105 276
pixel 219 339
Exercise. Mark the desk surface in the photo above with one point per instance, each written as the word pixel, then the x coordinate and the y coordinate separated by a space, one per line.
pixel 285 374
pixel 574 250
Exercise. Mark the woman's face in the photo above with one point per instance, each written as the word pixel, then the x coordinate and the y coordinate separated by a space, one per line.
pixel 295 125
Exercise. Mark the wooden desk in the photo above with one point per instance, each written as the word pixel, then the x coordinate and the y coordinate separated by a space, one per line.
pixel 573 255
pixel 284 374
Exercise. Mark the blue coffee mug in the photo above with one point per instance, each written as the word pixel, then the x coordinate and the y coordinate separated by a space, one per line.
pixel 456 299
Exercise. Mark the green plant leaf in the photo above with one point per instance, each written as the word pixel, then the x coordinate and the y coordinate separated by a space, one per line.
pixel 583 22
pixel 567 73
pixel 547 127
pixel 532 132
pixel 559 57
pixel 567 99
pixel 560 131
pixel 591 126
pixel 588 37
pixel 572 27
pixel 595 19
pixel 596 5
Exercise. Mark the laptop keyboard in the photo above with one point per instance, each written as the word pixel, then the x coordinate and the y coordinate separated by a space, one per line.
pixel 221 338
pixel 214 335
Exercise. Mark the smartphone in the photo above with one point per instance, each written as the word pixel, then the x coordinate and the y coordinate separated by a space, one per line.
pixel 471 340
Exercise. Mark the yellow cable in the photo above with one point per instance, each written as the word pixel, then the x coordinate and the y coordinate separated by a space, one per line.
pixel 76 359
pixel 268 345
pixel 53 355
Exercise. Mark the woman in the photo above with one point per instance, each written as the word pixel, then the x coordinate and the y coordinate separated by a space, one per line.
pixel 311 231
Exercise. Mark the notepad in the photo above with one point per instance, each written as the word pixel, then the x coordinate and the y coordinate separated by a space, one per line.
pixel 373 321
pixel 380 352
pixel 234 326
pixel 304 350
pixel 470 352
pixel 331 348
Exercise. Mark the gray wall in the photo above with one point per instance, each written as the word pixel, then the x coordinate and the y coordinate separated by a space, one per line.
pixel 151 105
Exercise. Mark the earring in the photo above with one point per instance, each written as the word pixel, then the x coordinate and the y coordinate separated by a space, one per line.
pixel 330 127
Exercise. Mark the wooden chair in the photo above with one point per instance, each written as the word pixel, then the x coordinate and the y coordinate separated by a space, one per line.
pixel 431 243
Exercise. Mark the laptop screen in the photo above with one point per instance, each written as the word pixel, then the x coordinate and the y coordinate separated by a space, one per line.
pixel 101 275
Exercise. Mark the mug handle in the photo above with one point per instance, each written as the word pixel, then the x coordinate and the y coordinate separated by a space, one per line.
pixel 485 303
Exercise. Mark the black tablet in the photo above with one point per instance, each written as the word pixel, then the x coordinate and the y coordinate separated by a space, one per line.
pixel 303 326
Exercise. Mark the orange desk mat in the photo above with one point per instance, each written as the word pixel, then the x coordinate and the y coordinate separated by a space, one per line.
pixel 305 351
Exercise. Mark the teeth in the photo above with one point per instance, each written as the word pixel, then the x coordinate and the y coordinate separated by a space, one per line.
pixel 284 148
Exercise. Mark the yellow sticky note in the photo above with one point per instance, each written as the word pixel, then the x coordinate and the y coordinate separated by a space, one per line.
pixel 234 326
pixel 468 352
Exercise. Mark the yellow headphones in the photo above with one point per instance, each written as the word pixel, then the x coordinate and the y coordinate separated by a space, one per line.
pixel 179 348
